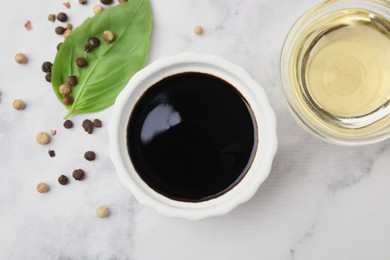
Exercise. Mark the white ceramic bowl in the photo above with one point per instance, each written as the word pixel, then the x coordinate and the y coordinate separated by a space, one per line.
pixel 243 82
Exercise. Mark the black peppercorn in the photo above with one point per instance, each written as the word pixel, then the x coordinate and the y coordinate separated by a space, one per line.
pixel 97 123
pixel 67 100
pixel 90 156
pixel 68 124
pixel 78 174
pixel 88 47
pixel 52 153
pixel 94 42
pixel 48 77
pixel 88 126
pixel 72 80
pixel 83 2
pixel 106 2
pixel 81 62
pixel 60 30
pixel 63 180
pixel 46 66
pixel 62 17
pixel 58 46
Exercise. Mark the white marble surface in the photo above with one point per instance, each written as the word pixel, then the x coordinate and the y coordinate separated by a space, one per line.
pixel 320 201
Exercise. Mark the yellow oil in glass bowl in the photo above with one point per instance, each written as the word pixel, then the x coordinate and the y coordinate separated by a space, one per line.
pixel 336 71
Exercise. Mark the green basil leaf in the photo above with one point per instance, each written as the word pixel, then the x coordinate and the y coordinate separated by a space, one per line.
pixel 111 65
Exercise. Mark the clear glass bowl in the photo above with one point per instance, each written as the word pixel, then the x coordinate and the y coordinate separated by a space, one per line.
pixel 376 131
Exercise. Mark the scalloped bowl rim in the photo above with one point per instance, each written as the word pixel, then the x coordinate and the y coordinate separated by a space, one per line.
pixel 245 84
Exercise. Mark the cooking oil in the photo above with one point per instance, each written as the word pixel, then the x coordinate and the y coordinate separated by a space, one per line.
pixel 342 69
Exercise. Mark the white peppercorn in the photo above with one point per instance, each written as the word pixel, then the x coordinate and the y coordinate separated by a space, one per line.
pixel 98 9
pixel 198 30
pixel 108 36
pixel 102 212
pixel 42 187
pixel 64 89
pixel 21 58
pixel 19 104
pixel 43 138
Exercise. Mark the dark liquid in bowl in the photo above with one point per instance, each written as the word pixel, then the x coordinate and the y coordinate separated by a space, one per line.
pixel 191 137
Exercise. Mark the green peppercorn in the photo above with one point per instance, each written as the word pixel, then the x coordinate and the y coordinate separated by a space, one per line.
pixel 81 62
pixel 51 17
pixel 72 80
